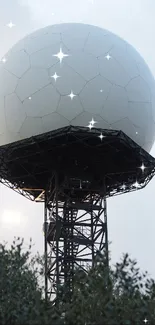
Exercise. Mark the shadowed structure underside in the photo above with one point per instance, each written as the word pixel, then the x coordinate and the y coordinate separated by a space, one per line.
pixel 76 152
pixel 73 170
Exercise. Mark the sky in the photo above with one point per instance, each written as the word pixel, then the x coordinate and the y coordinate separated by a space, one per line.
pixel 131 217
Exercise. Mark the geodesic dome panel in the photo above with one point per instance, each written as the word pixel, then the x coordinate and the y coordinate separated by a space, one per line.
pixel 67 74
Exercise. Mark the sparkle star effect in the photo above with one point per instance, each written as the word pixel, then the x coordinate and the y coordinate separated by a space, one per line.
pixel 10 25
pixel 108 57
pixel 101 136
pixel 101 90
pixel 145 320
pixel 123 187
pixel 142 167
pixel 91 124
pixel 136 184
pixel 136 132
pixel 30 98
pixel 71 95
pixel 60 55
pixel 4 60
pixel 55 76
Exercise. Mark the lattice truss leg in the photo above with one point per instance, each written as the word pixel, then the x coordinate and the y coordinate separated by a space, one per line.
pixel 76 232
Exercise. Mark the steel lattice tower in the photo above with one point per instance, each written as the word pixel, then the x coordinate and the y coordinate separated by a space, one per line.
pixel 73 172
pixel 76 232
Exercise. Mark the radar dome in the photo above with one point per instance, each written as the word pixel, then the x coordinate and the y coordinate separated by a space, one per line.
pixel 67 74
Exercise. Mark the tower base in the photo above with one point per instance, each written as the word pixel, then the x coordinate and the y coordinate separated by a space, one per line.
pixel 75 233
pixel 73 170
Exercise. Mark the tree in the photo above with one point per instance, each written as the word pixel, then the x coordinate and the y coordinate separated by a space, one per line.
pixel 109 296
pixel 21 297
pixel 102 296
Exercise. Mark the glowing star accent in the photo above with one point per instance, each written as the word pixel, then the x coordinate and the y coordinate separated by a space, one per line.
pixel 71 95
pixel 142 167
pixel 101 136
pixel 108 57
pixel 10 25
pixel 101 90
pixel 30 98
pixel 4 60
pixel 92 122
pixel 123 187
pixel 55 76
pixel 136 184
pixel 60 55
pixel 90 126
pixel 145 320
pixel 136 132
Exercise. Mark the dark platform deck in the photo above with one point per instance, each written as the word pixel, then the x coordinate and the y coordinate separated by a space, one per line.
pixel 78 153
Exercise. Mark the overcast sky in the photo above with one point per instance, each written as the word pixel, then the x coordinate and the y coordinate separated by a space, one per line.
pixel 131 217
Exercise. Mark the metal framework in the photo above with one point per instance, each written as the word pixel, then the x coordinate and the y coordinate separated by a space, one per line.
pixel 75 232
pixel 26 166
pixel 73 171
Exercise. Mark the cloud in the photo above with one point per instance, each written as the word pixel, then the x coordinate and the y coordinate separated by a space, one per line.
pixel 20 16
pixel 129 215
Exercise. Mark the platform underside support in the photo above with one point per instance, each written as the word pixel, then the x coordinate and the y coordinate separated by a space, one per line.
pixel 75 218
pixel 75 232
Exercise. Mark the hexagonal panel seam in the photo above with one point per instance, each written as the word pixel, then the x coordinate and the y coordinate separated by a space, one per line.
pixel 31 94
pixel 62 116
pixel 45 47
pixel 61 96
pixel 106 53
pixel 87 38
pixel 76 117
pixel 24 71
pixel 5 68
pixel 88 81
pixel 76 72
pixel 119 63
pixel 82 48
pixel 109 92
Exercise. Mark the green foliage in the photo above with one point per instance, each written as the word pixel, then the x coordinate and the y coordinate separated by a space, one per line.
pixel 21 300
pixel 112 296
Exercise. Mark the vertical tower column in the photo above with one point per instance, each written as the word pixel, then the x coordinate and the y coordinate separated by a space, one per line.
pixel 45 246
pixel 76 233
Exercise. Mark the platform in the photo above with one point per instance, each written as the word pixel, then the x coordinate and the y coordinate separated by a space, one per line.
pixel 78 153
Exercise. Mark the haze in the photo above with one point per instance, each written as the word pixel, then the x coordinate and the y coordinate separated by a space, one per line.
pixel 131 216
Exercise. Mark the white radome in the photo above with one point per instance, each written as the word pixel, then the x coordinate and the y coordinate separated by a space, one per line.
pixel 69 74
